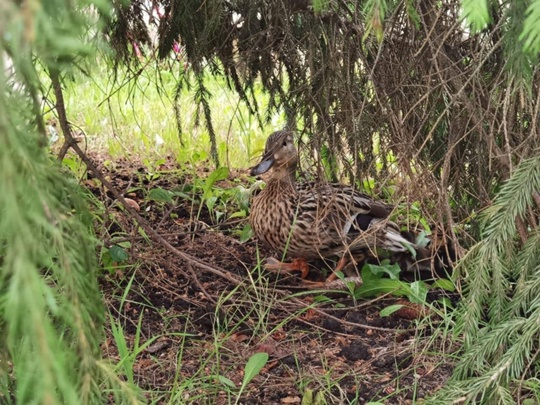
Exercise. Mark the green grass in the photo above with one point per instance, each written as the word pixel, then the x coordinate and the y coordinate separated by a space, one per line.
pixel 129 117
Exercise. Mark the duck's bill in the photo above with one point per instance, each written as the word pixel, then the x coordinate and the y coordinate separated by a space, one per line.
pixel 265 164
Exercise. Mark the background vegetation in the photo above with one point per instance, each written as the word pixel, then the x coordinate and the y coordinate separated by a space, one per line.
pixel 386 88
pixel 404 95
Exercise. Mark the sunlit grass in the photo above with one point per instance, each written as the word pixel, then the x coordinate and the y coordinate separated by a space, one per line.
pixel 130 117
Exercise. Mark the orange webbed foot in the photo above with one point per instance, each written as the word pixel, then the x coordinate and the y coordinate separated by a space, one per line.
pixel 330 280
pixel 298 264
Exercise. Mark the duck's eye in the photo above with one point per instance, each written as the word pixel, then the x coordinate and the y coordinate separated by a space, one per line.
pixel 284 143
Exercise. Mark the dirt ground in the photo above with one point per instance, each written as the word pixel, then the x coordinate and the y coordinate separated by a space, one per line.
pixel 202 323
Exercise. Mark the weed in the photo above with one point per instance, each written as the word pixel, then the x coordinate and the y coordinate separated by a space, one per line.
pixel 252 368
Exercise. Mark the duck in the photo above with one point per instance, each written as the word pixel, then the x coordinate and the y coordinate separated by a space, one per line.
pixel 314 220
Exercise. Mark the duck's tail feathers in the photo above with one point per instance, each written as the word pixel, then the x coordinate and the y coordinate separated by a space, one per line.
pixel 395 242
pixel 415 253
pixel 437 260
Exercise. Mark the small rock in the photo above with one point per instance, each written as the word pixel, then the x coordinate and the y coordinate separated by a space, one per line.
pixel 356 317
pixel 332 325
pixel 289 361
pixel 355 351
pixel 158 346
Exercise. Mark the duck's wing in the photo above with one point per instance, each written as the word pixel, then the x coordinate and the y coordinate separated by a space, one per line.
pixel 342 204
pixel 346 219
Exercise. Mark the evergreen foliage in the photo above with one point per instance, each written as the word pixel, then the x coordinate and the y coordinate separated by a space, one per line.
pixel 51 311
pixel 500 311
pixel 499 318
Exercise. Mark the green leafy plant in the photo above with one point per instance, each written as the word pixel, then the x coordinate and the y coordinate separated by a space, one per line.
pixel 115 256
pixel 221 203
pixel 128 355
pixel 152 173
pixel 253 367
pixel 311 398
pixel 384 279
pixel 374 283
pixel 161 195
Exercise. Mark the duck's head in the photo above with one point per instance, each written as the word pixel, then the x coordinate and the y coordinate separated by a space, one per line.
pixel 279 153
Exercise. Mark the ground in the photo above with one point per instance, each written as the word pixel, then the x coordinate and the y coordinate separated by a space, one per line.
pixel 192 322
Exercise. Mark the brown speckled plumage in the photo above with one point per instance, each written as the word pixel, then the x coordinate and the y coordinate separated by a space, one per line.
pixel 310 220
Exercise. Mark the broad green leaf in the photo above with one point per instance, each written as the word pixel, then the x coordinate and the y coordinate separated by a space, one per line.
pixel 246 233
pixel 321 298
pixel 210 202
pixel 221 173
pixel 218 215
pixel 198 156
pixel 253 367
pixel 373 271
pixel 307 398
pixel 118 254
pixel 368 273
pixel 319 399
pixel 422 240
pixel 369 184
pixel 445 284
pixel 418 292
pixel 242 196
pixel 390 310
pixel 143 233
pixel 182 195
pixel 351 285
pixel 238 214
pixel 225 381
pixel 159 162
pixel 160 195
pixel 71 163
pixel 339 274
pixel 446 302
pixel 411 249
pixel 382 286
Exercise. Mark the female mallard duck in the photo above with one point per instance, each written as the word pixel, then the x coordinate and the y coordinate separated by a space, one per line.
pixel 310 221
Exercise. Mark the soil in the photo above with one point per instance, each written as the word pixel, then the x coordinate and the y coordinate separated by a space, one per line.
pixel 200 325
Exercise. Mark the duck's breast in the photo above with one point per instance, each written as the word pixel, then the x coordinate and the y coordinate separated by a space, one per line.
pixel 272 216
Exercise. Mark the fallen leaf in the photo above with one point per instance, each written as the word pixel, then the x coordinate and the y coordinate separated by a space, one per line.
pixel 410 310
pixel 270 366
pixel 270 349
pixel 291 400
pixel 133 204
pixel 309 315
pixel 279 335
pixel 239 337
